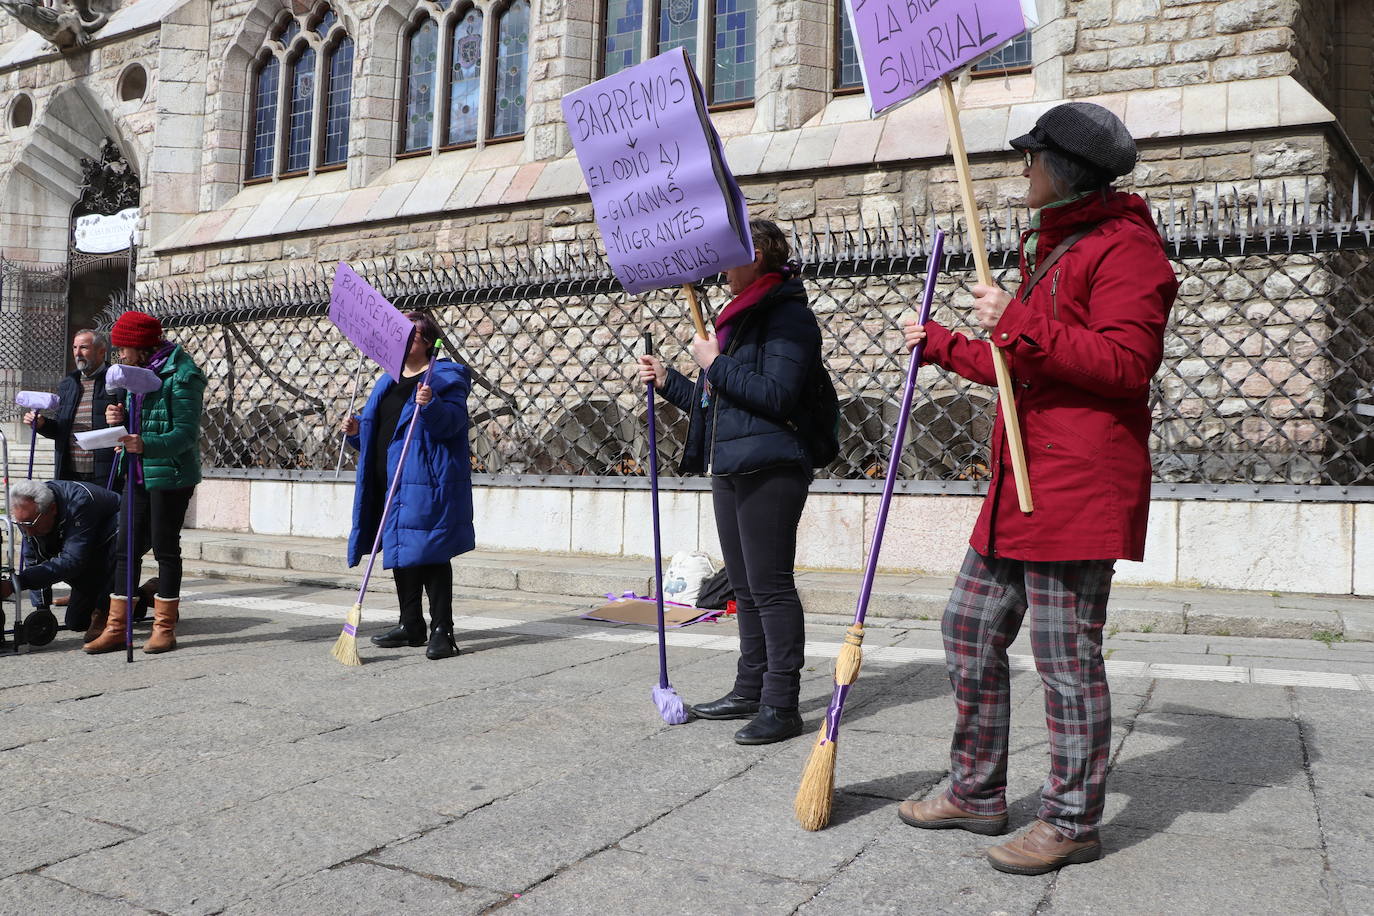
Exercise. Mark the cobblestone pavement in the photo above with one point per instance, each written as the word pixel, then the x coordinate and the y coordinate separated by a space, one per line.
pixel 248 772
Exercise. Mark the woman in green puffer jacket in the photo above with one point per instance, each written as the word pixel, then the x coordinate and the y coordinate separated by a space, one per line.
pixel 169 444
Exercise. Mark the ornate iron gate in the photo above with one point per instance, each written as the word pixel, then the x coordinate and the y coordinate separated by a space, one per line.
pixel 33 328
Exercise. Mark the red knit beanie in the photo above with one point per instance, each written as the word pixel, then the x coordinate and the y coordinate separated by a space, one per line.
pixel 136 329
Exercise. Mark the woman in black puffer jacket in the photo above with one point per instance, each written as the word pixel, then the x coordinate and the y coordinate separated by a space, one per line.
pixel 745 409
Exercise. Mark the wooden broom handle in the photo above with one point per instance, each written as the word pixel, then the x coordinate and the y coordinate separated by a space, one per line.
pixel 1006 397
pixel 695 306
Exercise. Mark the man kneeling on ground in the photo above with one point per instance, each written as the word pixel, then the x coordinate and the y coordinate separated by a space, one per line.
pixel 69 530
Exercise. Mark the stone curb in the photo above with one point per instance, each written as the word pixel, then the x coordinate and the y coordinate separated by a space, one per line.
pixel 1133 609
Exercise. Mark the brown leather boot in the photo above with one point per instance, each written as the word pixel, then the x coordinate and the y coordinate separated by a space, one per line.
pixel 1043 849
pixel 111 639
pixel 165 616
pixel 941 813
pixel 98 618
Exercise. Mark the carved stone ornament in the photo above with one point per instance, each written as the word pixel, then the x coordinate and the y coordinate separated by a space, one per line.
pixel 68 25
pixel 109 184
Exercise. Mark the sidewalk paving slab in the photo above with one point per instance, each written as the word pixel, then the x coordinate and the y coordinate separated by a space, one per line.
pixel 249 772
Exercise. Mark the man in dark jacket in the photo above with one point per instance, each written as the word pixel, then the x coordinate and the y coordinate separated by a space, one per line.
pixel 69 532
pixel 82 400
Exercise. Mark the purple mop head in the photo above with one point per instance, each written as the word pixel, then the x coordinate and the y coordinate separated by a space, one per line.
pixel 133 379
pixel 670 706
pixel 36 400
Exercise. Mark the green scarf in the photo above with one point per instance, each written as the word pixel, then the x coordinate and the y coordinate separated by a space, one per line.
pixel 1033 240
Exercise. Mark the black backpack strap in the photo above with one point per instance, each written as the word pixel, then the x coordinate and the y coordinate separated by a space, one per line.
pixel 1024 293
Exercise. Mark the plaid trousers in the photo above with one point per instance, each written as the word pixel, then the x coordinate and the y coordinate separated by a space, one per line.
pixel 1068 606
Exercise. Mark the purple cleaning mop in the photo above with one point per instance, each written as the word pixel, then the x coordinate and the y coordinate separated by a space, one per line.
pixel 138 382
pixel 35 401
pixel 832 715
pixel 665 697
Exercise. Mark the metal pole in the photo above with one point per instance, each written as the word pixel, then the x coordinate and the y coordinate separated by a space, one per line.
pixel 352 402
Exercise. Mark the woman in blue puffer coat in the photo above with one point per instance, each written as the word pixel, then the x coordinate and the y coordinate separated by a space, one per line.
pixel 745 412
pixel 431 514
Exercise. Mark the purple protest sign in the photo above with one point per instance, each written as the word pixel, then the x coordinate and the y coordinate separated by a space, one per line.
pixel 366 318
pixel 668 207
pixel 906 45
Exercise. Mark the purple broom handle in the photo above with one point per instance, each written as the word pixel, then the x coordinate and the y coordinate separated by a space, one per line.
pixel 135 424
pixel 395 481
pixel 894 462
pixel 837 700
pixel 658 548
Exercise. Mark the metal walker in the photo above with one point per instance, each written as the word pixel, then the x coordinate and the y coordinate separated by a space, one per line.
pixel 40 626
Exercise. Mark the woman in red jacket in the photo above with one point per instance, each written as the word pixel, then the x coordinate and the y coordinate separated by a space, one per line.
pixel 1083 337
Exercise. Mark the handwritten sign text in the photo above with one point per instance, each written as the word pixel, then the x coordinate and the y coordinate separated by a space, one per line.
pixel 373 324
pixel 669 209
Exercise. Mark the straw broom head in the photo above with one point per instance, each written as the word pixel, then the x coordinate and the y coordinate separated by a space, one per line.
pixel 346 646
pixel 851 656
pixel 816 794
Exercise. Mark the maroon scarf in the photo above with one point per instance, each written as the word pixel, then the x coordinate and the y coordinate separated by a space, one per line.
pixel 752 295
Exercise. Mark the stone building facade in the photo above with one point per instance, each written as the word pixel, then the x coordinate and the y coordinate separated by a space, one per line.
pixel 1236 92
pixel 1238 99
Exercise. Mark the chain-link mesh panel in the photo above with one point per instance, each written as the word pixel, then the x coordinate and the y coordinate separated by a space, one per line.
pixel 1267 359
pixel 33 328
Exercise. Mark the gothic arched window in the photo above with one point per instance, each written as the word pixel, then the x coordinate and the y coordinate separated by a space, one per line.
pixel 460 76
pixel 465 78
pixel 512 61
pixel 338 93
pixel 422 70
pixel 726 27
pixel 264 136
pixel 302 94
pixel 847 72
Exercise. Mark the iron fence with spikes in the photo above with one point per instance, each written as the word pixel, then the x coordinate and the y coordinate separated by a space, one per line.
pixel 1262 393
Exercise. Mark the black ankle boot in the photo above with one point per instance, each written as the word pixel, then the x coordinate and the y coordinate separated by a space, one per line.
pixel 730 706
pixel 396 637
pixel 441 645
pixel 773 723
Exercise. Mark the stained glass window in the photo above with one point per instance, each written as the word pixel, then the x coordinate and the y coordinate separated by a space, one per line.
pixel 677 26
pixel 422 68
pixel 337 97
pixel 264 118
pixel 849 73
pixel 512 60
pixel 733 79
pixel 289 30
pixel 326 22
pixel 465 69
pixel 298 116
pixel 624 33
pixel 1014 56
pixel 729 27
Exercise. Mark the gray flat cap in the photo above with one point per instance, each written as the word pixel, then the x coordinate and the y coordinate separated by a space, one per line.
pixel 1087 132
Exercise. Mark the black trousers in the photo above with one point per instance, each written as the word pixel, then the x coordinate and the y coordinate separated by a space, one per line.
pixel 756 520
pixel 436 581
pixel 87 596
pixel 158 517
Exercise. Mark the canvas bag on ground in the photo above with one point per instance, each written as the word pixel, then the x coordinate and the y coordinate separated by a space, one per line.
pixel 686 571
